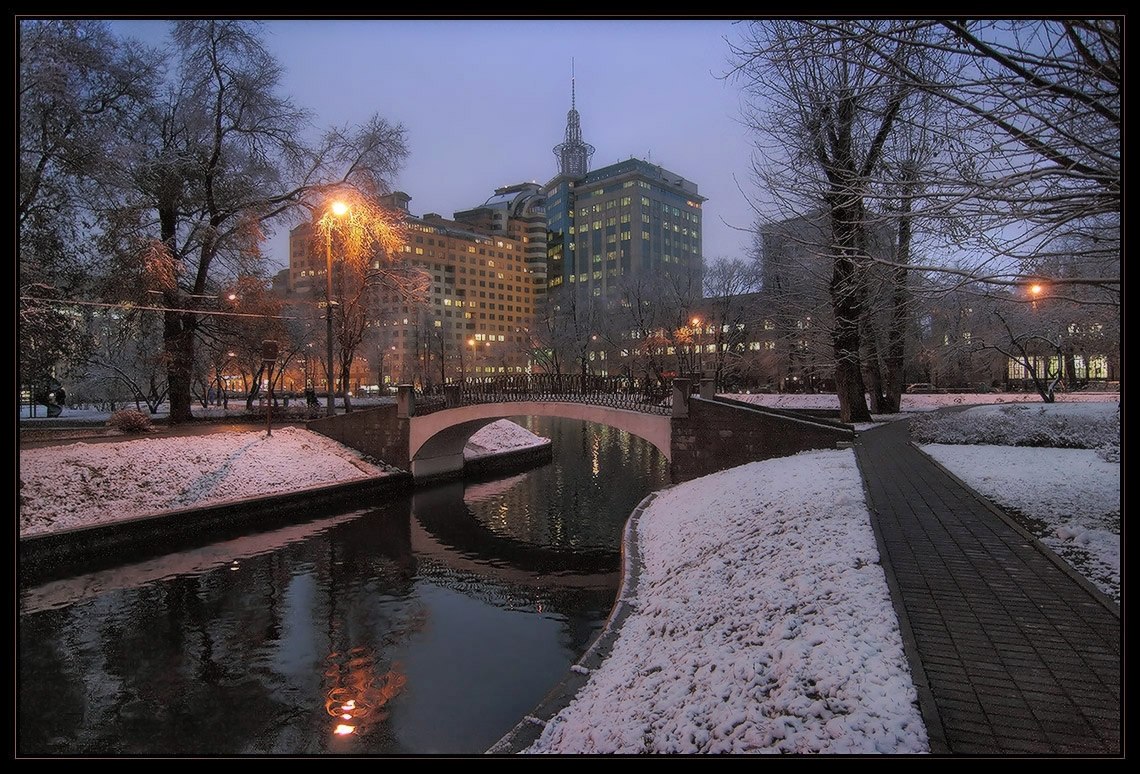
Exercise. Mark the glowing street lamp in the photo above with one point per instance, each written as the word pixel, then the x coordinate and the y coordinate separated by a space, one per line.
pixel 338 209
pixel 696 321
pixel 462 370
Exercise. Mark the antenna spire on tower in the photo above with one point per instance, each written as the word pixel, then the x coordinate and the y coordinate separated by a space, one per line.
pixel 573 154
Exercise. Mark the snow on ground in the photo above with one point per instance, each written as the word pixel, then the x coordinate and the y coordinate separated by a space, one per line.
pixel 762 623
pixel 1068 497
pixel 1073 494
pixel 912 403
pixel 81 484
pixel 236 409
pixel 500 436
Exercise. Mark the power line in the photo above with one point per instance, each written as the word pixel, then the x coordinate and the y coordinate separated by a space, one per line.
pixel 130 306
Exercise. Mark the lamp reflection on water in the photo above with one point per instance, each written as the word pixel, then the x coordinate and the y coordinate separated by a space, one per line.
pixel 360 691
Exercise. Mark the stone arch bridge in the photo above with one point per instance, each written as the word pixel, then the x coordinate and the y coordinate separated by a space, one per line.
pixel 698 434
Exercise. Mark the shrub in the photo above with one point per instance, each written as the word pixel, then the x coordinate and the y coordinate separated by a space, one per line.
pixel 130 421
pixel 1018 425
pixel 1110 452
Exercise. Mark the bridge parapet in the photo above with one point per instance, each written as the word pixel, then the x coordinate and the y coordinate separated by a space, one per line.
pixel 718 434
pixel 649 397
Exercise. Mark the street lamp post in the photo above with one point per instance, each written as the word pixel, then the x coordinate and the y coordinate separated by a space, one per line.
pixel 338 209
pixel 697 324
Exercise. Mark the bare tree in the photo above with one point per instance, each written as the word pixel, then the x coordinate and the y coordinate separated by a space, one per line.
pixel 642 329
pixel 77 86
pixel 1059 335
pixel 127 358
pixel 366 242
pixel 832 111
pixel 728 308
pixel 1040 103
pixel 219 157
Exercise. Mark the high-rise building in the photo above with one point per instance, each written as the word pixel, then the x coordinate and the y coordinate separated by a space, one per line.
pixel 519 212
pixel 629 217
pixel 474 319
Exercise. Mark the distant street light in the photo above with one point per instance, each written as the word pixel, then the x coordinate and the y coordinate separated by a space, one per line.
pixel 338 209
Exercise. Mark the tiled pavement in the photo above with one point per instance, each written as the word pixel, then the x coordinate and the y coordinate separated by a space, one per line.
pixel 1012 652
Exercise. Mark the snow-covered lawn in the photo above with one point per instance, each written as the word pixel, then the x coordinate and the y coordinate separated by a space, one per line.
pixel 1068 497
pixel 762 623
pixel 81 484
pixel 913 403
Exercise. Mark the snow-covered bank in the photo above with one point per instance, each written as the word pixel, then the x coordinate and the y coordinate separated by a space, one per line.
pixel 497 437
pixel 762 623
pixel 83 484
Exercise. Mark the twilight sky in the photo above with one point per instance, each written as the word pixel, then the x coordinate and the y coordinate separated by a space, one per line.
pixel 484 101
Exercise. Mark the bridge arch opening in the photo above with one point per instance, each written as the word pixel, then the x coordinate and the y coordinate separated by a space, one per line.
pixel 436 440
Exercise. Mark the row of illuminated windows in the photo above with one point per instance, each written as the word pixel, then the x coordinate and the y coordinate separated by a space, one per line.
pixel 708 329
pixel 463 259
pixel 753 346
pixel 470 249
pixel 488 337
pixel 596 225
pixel 1095 367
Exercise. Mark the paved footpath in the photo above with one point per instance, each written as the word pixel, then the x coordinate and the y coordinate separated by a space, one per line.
pixel 1011 652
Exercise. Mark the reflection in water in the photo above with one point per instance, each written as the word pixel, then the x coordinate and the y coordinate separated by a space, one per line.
pixel 376 632
pixel 359 694
pixel 571 504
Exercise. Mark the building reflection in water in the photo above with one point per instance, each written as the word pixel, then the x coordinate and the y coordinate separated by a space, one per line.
pixel 574 507
pixel 377 632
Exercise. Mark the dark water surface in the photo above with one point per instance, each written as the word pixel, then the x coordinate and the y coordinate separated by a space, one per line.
pixel 431 623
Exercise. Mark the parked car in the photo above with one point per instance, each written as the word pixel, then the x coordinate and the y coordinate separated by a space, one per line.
pixel 922 388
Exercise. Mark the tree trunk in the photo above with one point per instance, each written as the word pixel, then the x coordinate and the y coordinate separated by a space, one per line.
pixel 344 375
pixel 874 374
pixel 1070 367
pixel 178 340
pixel 896 330
pixel 847 305
pixel 254 388
pixel 177 327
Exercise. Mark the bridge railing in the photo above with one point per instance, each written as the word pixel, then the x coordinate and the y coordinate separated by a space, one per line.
pixel 650 397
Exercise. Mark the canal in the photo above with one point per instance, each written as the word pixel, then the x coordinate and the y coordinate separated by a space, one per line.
pixel 427 624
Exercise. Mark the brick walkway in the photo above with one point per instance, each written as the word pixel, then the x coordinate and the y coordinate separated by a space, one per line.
pixel 1010 651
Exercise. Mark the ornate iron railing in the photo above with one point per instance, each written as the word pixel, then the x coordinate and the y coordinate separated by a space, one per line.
pixel 650 397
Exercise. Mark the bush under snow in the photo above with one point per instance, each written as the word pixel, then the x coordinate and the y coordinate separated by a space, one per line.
pixel 1061 426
